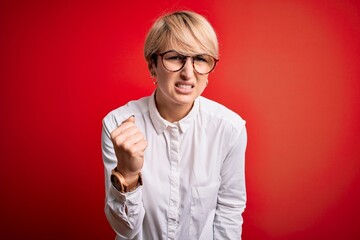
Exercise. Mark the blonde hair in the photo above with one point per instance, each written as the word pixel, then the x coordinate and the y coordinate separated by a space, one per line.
pixel 185 31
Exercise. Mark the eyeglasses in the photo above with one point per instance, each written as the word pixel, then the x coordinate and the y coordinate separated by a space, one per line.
pixel 174 62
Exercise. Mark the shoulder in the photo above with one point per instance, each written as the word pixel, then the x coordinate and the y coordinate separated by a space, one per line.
pixel 216 112
pixel 120 114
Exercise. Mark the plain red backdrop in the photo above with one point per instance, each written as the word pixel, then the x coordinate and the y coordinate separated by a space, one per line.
pixel 290 68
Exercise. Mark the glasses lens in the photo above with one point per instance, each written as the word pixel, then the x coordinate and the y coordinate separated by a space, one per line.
pixel 173 61
pixel 203 63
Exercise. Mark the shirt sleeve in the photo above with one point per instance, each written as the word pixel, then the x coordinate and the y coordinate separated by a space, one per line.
pixel 124 211
pixel 232 193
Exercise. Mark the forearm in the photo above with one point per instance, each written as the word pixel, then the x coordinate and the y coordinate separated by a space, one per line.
pixel 124 211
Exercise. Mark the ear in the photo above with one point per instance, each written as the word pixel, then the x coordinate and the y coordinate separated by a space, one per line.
pixel 152 67
pixel 153 62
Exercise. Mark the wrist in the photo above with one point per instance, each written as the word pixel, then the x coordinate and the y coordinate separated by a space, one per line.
pixel 128 176
pixel 128 184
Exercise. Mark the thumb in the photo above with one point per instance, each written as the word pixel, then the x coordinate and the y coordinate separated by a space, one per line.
pixel 130 119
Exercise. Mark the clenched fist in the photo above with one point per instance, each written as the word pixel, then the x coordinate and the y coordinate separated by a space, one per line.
pixel 129 145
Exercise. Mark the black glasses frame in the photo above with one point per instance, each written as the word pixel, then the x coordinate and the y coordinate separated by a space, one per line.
pixel 186 56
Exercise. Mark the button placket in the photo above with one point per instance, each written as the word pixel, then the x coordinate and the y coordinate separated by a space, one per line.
pixel 173 214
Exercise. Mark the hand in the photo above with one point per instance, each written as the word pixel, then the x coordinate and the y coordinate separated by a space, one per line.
pixel 129 145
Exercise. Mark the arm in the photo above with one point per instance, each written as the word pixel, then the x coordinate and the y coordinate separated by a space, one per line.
pixel 124 211
pixel 232 193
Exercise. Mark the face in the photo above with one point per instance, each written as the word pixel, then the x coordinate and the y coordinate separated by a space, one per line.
pixel 178 89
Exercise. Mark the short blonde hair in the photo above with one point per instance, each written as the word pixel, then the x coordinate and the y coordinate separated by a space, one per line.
pixel 186 31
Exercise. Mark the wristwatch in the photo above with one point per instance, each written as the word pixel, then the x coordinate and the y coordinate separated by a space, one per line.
pixel 118 181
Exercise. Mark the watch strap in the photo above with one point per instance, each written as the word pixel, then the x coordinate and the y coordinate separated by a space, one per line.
pixel 119 182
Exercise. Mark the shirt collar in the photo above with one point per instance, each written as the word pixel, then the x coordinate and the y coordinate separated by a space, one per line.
pixel 161 124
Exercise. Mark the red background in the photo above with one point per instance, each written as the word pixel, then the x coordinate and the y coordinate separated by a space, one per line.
pixel 290 68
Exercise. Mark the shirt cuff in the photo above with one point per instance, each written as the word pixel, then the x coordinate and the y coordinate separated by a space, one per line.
pixel 132 197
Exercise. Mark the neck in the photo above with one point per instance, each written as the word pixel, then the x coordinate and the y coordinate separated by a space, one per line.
pixel 170 111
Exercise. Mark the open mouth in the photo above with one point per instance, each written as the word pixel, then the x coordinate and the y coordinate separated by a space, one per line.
pixel 184 86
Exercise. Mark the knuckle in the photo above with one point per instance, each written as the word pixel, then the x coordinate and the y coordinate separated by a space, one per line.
pixel 132 151
pixel 118 141
pixel 126 146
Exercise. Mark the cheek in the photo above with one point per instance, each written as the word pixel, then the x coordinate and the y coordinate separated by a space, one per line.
pixel 163 78
pixel 202 81
pixel 161 75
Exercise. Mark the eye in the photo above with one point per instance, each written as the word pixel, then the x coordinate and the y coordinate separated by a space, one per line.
pixel 172 56
pixel 201 58
pixel 178 57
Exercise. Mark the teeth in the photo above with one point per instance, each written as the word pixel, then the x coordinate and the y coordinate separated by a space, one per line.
pixel 184 86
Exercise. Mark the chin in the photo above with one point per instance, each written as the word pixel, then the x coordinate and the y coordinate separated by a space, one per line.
pixel 185 100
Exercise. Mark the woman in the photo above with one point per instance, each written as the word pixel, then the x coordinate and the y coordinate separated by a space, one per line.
pixel 174 161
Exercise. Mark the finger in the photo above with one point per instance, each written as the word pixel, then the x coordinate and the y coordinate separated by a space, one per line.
pixel 135 138
pixel 127 123
pixel 141 146
pixel 129 144
pixel 122 127
pixel 138 149
pixel 124 135
pixel 130 119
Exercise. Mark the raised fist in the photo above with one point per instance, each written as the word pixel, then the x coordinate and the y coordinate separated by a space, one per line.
pixel 129 145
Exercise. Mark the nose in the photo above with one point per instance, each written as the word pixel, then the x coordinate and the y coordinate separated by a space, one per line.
pixel 187 72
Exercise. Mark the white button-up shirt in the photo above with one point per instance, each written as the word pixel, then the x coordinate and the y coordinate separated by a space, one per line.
pixel 193 174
